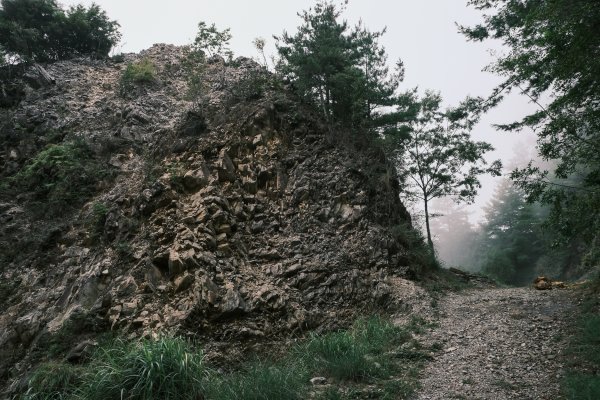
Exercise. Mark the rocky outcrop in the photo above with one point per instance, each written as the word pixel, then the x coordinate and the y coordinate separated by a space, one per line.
pixel 225 220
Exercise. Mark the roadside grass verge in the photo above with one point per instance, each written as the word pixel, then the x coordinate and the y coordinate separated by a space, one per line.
pixel 582 381
pixel 372 359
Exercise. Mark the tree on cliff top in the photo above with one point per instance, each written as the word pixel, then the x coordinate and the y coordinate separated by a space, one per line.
pixel 342 70
pixel 41 31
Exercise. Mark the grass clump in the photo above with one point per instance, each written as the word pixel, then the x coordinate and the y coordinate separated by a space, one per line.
pixel 356 354
pixel 167 368
pixel 136 75
pixel 262 380
pixel 142 71
pixel 53 381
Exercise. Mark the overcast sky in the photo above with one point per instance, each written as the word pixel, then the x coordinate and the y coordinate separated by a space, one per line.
pixel 422 33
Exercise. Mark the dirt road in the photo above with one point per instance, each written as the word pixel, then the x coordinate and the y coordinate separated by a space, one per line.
pixel 498 344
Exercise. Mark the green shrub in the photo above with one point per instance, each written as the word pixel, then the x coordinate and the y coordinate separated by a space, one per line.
pixel 98 219
pixel 251 86
pixel 142 71
pixel 167 368
pixel 53 381
pixel 421 256
pixel 60 174
pixel 118 58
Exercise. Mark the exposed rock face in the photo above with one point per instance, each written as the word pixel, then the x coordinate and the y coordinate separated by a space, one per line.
pixel 236 219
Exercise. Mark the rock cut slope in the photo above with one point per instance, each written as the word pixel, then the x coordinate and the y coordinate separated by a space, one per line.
pixel 235 216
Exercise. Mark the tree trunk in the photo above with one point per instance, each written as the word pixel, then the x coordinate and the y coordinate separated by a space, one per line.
pixel 429 241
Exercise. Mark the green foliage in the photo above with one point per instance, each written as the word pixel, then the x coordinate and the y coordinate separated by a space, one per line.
pixel 60 174
pixel 549 44
pixel 53 381
pixel 253 85
pixel 167 368
pixel 210 41
pixel 356 354
pixel 118 58
pixel 420 255
pixel 98 218
pixel 582 381
pixel 263 381
pixel 342 71
pixel 512 240
pixel 439 158
pixel 41 31
pixel 582 387
pixel 587 345
pixel 513 244
pixel 137 75
pixel 141 72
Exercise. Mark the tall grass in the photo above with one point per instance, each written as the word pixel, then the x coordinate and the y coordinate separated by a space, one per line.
pixel 53 381
pixel 163 369
pixel 355 354
pixel 170 368
pixel 262 381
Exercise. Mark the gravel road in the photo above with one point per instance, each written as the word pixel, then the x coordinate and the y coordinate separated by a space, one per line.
pixel 498 344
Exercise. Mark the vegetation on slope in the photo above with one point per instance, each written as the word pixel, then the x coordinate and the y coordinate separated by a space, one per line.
pixel 583 378
pixel 372 351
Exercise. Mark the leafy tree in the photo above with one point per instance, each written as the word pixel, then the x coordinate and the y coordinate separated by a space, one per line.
pixel 88 31
pixel 554 54
pixel 39 30
pixel 440 159
pixel 342 70
pixel 210 41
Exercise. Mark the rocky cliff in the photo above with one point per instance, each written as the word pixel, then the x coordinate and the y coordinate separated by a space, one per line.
pixel 234 216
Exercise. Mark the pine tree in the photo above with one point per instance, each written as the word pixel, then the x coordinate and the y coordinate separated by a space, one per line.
pixel 342 70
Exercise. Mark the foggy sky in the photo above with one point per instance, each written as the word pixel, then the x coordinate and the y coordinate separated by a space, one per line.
pixel 422 33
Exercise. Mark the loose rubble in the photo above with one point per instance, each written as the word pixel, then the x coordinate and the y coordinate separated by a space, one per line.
pixel 498 344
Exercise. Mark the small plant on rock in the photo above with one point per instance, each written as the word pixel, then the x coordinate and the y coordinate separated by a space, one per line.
pixel 140 72
pixel 137 74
